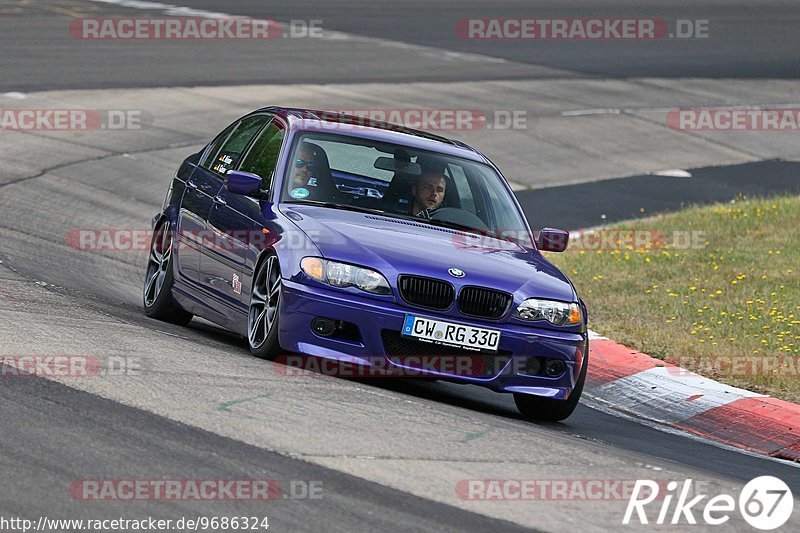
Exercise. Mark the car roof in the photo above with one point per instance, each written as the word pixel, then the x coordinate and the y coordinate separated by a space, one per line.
pixel 367 128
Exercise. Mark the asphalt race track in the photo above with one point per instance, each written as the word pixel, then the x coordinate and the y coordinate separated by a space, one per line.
pixel 750 40
pixel 387 455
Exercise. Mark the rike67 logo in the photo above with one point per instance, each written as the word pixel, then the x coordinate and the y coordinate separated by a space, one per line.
pixel 765 503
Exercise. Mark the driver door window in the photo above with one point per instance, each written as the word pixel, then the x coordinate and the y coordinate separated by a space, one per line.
pixel 263 155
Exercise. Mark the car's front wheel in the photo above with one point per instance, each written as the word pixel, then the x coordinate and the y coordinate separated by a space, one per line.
pixel 541 409
pixel 158 280
pixel 262 318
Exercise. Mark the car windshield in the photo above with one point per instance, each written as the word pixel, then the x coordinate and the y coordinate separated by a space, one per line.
pixel 339 171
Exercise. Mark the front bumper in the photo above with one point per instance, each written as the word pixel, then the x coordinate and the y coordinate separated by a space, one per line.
pixel 520 343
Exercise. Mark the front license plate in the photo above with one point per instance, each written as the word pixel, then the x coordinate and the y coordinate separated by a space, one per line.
pixel 450 334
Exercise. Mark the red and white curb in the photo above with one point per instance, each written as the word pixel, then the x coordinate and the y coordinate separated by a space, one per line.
pixel 650 389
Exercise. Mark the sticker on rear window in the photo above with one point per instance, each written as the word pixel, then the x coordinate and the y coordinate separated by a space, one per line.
pixel 299 193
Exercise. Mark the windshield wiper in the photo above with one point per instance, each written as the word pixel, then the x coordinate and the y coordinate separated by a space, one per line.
pixel 334 205
pixel 453 225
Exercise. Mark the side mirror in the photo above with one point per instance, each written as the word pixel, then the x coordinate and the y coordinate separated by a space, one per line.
pixel 244 183
pixel 552 240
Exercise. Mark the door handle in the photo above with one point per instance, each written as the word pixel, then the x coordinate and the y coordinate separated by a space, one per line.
pixel 220 200
pixel 191 184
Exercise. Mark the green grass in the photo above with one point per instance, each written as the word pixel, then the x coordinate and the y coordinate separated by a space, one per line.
pixel 727 306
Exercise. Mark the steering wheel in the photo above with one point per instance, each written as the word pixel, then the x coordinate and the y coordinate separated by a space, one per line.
pixel 459 216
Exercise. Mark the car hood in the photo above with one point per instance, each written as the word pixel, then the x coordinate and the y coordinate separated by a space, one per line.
pixel 396 246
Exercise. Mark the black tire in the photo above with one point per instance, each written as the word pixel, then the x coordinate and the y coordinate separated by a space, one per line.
pixel 539 409
pixel 158 280
pixel 264 309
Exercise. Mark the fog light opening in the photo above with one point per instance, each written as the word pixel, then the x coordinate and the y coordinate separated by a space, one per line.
pixel 335 329
pixel 554 367
pixel 324 327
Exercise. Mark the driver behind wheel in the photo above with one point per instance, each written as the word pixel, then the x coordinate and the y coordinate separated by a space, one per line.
pixel 427 193
pixel 304 166
pixel 311 175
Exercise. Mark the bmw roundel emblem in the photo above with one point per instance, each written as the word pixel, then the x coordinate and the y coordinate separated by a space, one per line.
pixel 456 272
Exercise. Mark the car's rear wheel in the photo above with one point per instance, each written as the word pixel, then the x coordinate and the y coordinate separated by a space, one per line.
pixel 541 409
pixel 158 280
pixel 265 300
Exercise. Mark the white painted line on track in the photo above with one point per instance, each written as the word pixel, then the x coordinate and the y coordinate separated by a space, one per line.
pixel 168 9
pixel 635 110
pixel 585 112
pixel 673 173
pixel 593 335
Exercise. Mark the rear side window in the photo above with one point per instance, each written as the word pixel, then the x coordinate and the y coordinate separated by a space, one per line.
pixel 213 149
pixel 228 155
pixel 263 155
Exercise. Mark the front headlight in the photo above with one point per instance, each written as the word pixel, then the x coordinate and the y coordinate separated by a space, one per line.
pixel 345 275
pixel 557 313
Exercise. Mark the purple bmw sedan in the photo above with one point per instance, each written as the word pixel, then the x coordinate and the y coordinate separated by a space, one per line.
pixel 340 239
